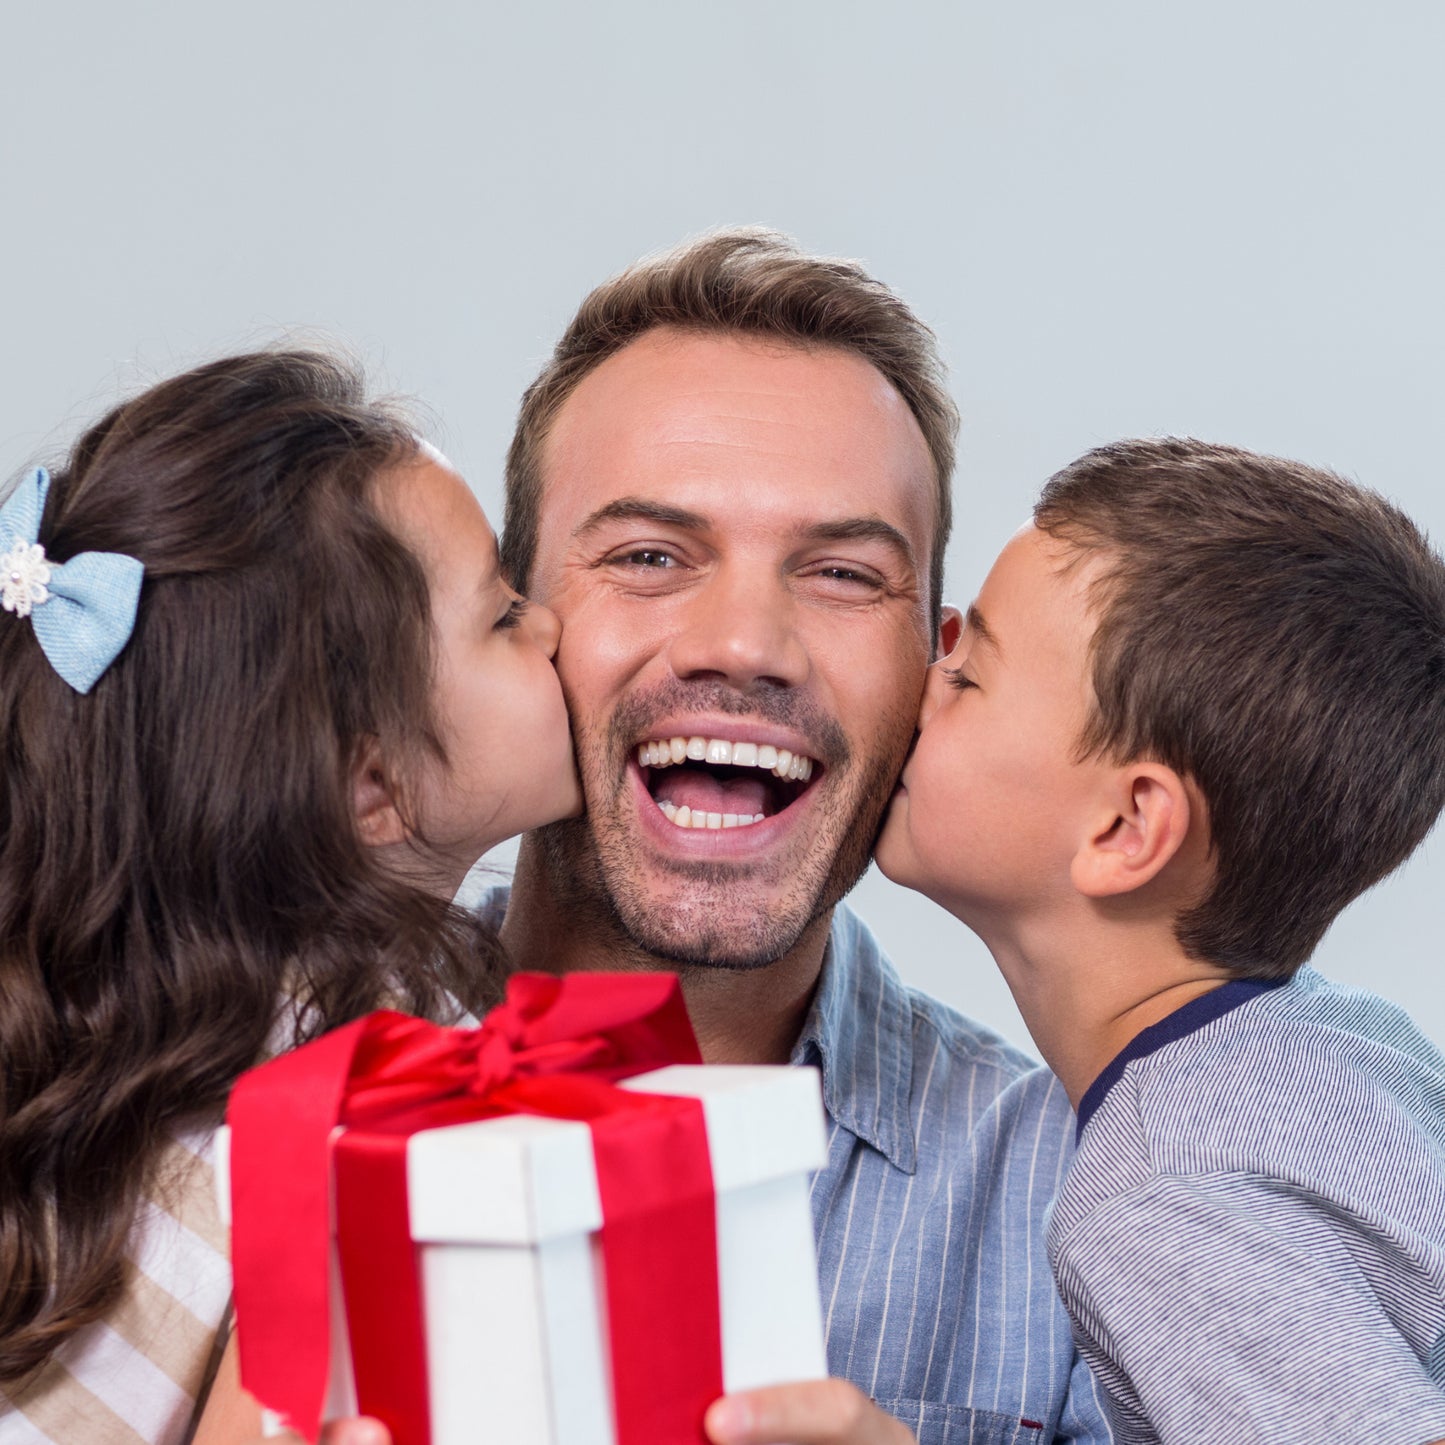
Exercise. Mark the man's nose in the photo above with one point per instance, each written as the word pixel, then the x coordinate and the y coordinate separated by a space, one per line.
pixel 741 628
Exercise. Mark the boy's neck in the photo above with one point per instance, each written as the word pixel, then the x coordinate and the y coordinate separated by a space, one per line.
pixel 1087 992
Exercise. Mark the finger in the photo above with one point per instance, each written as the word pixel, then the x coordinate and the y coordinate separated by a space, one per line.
pixel 814 1412
pixel 355 1432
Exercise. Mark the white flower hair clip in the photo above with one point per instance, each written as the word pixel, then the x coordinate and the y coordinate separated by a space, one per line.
pixel 25 573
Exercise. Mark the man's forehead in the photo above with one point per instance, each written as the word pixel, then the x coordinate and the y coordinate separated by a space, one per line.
pixel 672 418
pixel 668 379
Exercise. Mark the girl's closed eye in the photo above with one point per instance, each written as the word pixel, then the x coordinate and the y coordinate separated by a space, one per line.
pixel 516 611
pixel 956 677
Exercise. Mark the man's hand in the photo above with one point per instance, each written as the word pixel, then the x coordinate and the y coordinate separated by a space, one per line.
pixel 338 1432
pixel 815 1412
pixel 356 1432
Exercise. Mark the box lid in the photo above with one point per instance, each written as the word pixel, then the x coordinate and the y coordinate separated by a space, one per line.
pixel 522 1179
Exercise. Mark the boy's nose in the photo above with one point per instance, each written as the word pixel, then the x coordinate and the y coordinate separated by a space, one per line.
pixel 950 633
pixel 933 690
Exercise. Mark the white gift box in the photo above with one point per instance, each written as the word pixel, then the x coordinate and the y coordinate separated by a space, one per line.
pixel 505 1213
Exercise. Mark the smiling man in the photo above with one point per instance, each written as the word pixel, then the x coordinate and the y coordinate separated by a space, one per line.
pixel 731 483
pixel 737 534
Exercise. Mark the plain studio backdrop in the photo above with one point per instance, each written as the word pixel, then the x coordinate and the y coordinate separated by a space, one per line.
pixel 1219 220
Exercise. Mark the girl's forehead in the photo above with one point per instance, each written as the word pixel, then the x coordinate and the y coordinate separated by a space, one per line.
pixel 432 507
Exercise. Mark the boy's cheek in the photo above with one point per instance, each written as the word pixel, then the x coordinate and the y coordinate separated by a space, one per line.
pixel 890 853
pixel 897 854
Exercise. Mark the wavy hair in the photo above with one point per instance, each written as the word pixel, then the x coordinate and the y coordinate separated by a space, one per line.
pixel 178 854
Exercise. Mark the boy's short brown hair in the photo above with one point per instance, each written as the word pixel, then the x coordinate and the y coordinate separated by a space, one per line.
pixel 741 281
pixel 1276 634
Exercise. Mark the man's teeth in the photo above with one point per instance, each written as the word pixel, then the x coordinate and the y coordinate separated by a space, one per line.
pixel 667 751
pixel 684 817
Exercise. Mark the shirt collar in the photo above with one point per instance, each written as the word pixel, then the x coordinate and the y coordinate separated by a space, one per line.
pixel 1188 1019
pixel 859 1032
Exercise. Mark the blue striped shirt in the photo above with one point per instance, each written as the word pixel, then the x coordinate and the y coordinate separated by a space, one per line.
pixel 946 1146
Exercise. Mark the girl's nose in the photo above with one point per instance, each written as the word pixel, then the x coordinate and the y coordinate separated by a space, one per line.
pixel 546 627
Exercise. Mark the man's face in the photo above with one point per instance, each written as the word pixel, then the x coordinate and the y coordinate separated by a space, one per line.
pixel 736 537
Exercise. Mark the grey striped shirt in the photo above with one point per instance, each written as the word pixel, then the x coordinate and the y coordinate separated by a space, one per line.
pixel 946 1147
pixel 1252 1237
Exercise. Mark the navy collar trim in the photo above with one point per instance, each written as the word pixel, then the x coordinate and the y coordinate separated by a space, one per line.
pixel 1186 1020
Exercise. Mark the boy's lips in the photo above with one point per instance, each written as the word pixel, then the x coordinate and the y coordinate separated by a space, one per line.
pixel 710 776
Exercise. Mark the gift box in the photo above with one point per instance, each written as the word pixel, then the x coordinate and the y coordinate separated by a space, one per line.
pixel 592 1271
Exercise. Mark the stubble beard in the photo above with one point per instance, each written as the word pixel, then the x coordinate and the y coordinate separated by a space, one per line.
pixel 715 915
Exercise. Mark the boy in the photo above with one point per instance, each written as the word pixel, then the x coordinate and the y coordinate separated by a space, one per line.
pixel 1197 708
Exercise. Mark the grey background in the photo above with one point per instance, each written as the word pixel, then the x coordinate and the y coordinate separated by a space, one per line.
pixel 1223 220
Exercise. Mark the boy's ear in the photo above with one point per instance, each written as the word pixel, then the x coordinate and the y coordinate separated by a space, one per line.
pixel 950 629
pixel 373 799
pixel 1142 826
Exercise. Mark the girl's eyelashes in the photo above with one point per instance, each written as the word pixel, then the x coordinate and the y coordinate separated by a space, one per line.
pixel 513 615
pixel 956 677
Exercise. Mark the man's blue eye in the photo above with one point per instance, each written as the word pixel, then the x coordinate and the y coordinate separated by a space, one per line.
pixel 649 558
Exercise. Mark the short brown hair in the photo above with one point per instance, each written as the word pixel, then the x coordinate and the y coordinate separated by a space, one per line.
pixel 1277 634
pixel 758 283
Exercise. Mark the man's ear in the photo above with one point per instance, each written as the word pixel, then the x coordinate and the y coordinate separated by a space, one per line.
pixel 373 799
pixel 950 629
pixel 1141 826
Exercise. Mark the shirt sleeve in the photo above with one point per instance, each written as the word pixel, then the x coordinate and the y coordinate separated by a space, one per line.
pixel 1083 1420
pixel 1232 1308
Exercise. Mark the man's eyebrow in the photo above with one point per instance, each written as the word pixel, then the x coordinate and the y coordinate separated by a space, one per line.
pixel 864 529
pixel 846 529
pixel 640 509
pixel 974 618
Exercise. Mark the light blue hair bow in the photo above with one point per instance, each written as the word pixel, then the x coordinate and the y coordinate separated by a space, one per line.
pixel 83 610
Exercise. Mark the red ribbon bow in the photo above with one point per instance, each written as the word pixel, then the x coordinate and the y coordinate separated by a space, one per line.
pixel 556 1047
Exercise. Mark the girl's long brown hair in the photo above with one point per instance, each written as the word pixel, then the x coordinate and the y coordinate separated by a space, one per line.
pixel 178 854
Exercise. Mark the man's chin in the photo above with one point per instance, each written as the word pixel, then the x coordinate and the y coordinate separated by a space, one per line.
pixel 703 916
pixel 715 933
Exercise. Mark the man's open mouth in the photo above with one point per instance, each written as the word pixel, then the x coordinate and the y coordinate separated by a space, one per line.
pixel 700 782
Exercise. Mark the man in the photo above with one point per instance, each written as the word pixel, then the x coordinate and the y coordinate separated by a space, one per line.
pixel 731 482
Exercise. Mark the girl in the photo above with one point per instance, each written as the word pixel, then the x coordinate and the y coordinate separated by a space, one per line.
pixel 264 697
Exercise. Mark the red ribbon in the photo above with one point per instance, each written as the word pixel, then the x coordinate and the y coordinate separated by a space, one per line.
pixel 556 1047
